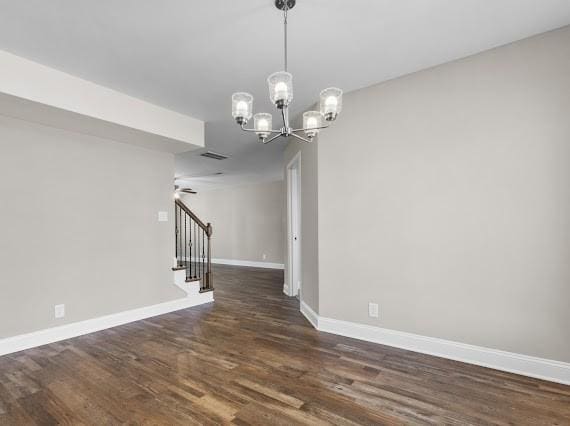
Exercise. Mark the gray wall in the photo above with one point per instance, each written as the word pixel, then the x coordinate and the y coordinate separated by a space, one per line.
pixel 79 226
pixel 309 221
pixel 444 196
pixel 248 220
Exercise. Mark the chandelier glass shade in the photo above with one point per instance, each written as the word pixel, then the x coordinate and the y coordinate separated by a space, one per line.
pixel 331 103
pixel 280 88
pixel 312 122
pixel 280 85
pixel 262 124
pixel 242 106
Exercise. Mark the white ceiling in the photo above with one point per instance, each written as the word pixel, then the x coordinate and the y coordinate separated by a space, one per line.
pixel 190 55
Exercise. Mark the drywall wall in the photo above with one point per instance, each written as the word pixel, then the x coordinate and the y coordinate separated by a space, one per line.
pixel 79 227
pixel 309 221
pixel 247 220
pixel 444 196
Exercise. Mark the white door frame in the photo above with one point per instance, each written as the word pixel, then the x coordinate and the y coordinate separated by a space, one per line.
pixel 293 179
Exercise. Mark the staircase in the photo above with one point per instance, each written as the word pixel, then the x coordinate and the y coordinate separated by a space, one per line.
pixel 193 247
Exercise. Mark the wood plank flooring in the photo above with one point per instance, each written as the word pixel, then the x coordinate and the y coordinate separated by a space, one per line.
pixel 252 358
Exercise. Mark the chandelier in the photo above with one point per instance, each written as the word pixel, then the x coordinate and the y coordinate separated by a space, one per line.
pixel 281 94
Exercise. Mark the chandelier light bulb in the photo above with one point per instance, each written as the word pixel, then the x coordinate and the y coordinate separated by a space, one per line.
pixel 242 107
pixel 281 91
pixel 312 120
pixel 262 124
pixel 280 88
pixel 331 103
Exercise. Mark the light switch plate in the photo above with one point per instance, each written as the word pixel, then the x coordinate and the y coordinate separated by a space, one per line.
pixel 59 311
pixel 163 216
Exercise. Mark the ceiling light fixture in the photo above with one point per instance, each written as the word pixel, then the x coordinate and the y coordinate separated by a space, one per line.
pixel 281 94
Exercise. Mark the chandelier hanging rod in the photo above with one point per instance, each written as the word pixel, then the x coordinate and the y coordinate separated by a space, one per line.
pixel 285 37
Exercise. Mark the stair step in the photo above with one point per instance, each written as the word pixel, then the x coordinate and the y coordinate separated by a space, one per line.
pixel 206 290
pixel 178 268
pixel 190 280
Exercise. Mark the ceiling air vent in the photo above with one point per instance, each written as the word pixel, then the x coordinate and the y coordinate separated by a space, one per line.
pixel 214 155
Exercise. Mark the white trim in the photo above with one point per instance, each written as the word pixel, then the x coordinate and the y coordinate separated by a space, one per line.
pixel 540 368
pixel 252 263
pixel 311 315
pixel 295 162
pixel 67 331
pixel 191 288
pixel 286 289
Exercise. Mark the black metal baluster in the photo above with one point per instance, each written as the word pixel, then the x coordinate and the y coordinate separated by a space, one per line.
pixel 179 240
pixel 195 248
pixel 203 257
pixel 183 242
pixel 209 279
pixel 189 244
pixel 198 257
pixel 176 234
pixel 192 242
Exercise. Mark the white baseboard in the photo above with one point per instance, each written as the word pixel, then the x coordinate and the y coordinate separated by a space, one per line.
pixel 249 263
pixel 235 262
pixel 286 289
pixel 311 315
pixel 540 368
pixel 67 331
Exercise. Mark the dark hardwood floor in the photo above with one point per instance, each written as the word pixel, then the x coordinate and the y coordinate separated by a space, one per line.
pixel 252 358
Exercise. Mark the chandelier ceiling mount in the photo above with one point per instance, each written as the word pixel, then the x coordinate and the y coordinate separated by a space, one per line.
pixel 285 4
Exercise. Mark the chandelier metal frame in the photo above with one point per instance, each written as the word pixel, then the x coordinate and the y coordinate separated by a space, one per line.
pixel 313 121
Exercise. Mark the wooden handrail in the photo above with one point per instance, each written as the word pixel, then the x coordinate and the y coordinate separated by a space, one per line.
pixel 207 228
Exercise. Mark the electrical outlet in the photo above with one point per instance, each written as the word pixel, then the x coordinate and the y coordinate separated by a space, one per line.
pixel 264 256
pixel 163 216
pixel 373 310
pixel 59 311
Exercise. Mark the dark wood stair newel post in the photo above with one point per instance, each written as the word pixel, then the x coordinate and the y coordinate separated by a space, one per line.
pixel 209 280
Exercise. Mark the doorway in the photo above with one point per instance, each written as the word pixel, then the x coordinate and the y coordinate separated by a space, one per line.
pixel 293 286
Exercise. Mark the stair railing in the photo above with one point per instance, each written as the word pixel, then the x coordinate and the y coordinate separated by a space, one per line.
pixel 193 246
